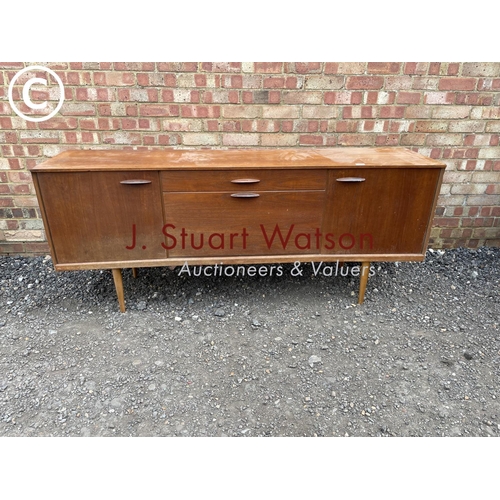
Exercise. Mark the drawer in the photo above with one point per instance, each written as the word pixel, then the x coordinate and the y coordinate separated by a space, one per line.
pixel 243 180
pixel 219 224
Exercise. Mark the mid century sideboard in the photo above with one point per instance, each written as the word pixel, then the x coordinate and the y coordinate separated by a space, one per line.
pixel 109 209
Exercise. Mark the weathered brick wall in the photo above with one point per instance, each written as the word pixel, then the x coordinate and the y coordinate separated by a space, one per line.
pixel 448 111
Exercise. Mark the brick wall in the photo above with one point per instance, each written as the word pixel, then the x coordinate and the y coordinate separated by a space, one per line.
pixel 448 111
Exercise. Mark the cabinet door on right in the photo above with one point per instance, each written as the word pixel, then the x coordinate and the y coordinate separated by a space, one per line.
pixel 379 210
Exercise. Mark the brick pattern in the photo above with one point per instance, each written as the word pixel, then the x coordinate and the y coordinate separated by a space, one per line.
pixel 448 111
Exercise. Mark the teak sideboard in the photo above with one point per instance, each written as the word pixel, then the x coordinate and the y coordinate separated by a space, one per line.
pixel 109 209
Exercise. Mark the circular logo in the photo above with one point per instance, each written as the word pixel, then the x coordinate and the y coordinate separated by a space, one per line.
pixel 26 98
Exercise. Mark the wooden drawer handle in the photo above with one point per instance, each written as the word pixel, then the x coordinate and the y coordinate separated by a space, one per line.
pixel 245 195
pixel 135 181
pixel 245 181
pixel 351 179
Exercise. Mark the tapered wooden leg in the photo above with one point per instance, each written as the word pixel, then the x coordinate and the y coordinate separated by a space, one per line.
pixel 117 277
pixel 134 272
pixel 365 271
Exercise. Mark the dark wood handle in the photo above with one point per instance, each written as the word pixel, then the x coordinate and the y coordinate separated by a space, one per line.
pixel 245 181
pixel 135 181
pixel 245 195
pixel 350 179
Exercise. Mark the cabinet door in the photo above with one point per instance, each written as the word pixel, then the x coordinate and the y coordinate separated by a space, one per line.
pixel 92 215
pixel 257 223
pixel 379 211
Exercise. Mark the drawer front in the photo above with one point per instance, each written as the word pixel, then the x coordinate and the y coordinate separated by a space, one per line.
pixel 243 180
pixel 262 223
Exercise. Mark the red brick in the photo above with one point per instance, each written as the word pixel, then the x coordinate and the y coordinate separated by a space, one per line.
pixel 434 68
pixel 134 66
pixel 268 67
pixel 20 189
pixel 415 68
pixel 365 82
pixel 343 97
pixel 316 140
pixel 369 125
pixel 167 95
pixel 408 98
pixel 474 99
pixel 274 82
pixel 36 248
pixel 232 126
pixel 384 68
pixel 200 111
pixel 7 202
pixel 493 189
pixel 200 80
pixel 247 97
pixel 453 69
pixel 8 65
pixel 392 111
pixel 274 97
pixel 312 126
pixel 131 110
pixel 446 221
pixel 5 123
pixel 457 84
pixel 128 124
pixel 387 140
pixel 165 110
pixel 345 126
pixel 331 68
pixel 233 81
pixel 59 123
pixel 292 82
pixel 10 137
pixel 11 248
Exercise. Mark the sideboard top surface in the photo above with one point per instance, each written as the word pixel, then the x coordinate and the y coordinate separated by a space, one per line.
pixel 213 159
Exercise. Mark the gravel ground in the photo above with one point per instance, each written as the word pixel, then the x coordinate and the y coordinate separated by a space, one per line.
pixel 255 356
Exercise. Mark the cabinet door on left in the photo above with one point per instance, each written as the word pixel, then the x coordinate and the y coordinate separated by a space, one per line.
pixel 95 216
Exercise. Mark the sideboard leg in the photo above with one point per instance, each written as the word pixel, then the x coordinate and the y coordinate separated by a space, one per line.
pixel 117 277
pixel 365 271
pixel 134 272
